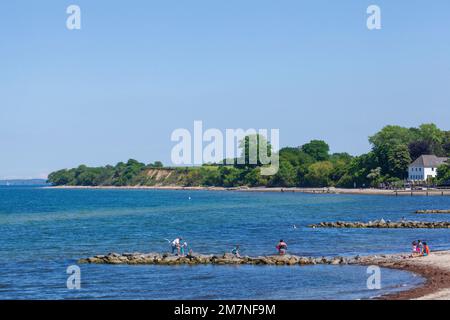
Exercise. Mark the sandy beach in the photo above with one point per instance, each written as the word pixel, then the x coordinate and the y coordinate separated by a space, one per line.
pixel 435 268
pixel 431 192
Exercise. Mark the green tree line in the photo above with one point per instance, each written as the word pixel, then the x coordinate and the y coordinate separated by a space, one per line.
pixel 309 165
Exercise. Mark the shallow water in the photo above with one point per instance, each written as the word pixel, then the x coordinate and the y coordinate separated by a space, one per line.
pixel 42 231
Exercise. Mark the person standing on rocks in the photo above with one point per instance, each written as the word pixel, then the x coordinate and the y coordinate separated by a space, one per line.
pixel 176 245
pixel 235 251
pixel 184 248
pixel 281 247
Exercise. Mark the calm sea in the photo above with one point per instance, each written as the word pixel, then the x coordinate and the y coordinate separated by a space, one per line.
pixel 43 231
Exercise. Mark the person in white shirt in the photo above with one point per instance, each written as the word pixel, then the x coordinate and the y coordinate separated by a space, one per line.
pixel 176 245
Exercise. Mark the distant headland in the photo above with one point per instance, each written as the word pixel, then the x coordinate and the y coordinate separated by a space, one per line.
pixel 23 182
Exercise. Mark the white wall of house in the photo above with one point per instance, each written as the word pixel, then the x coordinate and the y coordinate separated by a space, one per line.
pixel 430 172
pixel 421 173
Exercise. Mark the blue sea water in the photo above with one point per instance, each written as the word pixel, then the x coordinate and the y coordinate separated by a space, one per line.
pixel 43 231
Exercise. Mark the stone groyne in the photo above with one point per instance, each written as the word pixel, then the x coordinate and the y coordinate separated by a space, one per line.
pixel 384 224
pixel 432 211
pixel 224 259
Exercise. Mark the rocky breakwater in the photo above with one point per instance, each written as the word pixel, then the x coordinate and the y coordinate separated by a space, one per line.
pixel 225 259
pixel 384 224
pixel 432 211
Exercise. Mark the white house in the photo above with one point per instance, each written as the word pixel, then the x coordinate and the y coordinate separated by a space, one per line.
pixel 424 167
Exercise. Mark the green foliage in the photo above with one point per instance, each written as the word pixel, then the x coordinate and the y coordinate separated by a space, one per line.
pixel 319 174
pixel 317 149
pixel 310 165
pixel 391 135
pixel 398 160
pixel 122 174
pixel 432 135
pixel 211 177
pixel 62 177
pixel 357 171
pixel 285 177
pixel 418 148
pixel 254 179
pixel 230 176
pixel 156 164
pixel 375 177
pixel 251 148
pixel 443 174
pixel 446 144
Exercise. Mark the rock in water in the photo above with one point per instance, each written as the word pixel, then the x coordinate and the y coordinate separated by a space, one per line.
pixel 383 224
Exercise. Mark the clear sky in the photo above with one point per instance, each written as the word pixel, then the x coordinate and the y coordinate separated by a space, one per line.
pixel 137 70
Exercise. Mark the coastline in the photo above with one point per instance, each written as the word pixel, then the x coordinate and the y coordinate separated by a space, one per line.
pixel 432 192
pixel 435 269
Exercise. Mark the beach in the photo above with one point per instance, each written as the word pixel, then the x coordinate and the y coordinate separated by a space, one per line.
pixel 435 268
pixel 330 190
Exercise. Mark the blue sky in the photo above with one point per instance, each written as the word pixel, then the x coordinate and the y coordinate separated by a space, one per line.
pixel 137 70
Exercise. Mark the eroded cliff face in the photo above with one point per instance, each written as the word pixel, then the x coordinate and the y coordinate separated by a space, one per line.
pixel 159 174
pixel 164 177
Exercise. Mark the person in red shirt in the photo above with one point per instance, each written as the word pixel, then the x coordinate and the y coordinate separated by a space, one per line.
pixel 281 247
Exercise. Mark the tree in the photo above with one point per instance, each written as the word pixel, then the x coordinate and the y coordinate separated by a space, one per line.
pixel 193 177
pixel 254 178
pixel 418 148
pixel 446 143
pixel 375 177
pixel 319 174
pixel 342 156
pixel 317 149
pixel 285 177
pixel 62 177
pixel 250 149
pixel 127 173
pixel 156 164
pixel 443 174
pixel 391 135
pixel 357 171
pixel 295 156
pixel 210 176
pixel 398 161
pixel 230 176
pixel 430 133
pixel 340 168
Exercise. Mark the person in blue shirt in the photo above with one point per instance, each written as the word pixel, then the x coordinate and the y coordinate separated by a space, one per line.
pixel 235 251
